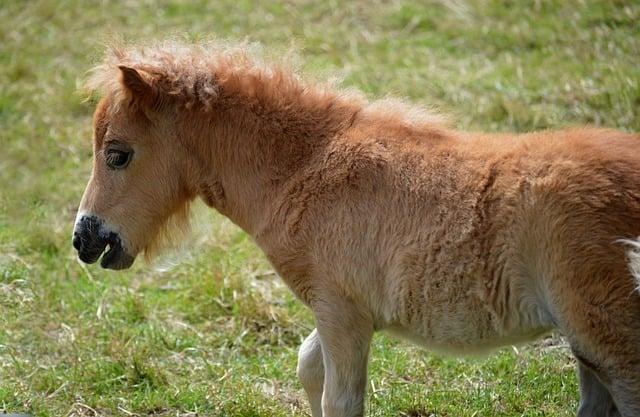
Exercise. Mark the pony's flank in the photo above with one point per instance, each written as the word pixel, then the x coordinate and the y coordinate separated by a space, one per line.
pixel 203 76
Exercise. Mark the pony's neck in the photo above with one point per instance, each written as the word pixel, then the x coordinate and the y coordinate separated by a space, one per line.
pixel 247 150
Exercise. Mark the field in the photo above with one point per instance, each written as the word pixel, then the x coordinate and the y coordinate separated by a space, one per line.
pixel 209 329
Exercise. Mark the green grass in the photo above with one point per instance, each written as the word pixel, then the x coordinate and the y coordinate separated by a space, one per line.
pixel 217 333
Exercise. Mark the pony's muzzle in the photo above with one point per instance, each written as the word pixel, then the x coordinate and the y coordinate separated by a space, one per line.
pixel 90 238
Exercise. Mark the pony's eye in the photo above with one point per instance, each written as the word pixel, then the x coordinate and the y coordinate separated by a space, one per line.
pixel 117 158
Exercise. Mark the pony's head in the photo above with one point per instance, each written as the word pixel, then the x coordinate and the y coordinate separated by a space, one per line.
pixel 147 161
pixel 139 182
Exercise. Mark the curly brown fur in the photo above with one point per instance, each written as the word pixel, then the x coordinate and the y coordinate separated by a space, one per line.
pixel 379 216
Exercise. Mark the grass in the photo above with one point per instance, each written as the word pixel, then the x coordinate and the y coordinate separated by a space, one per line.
pixel 216 333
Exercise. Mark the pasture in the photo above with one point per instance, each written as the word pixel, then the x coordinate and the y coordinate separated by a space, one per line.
pixel 209 329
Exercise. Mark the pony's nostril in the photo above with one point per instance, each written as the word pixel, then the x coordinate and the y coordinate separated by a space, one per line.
pixel 77 241
pixel 87 239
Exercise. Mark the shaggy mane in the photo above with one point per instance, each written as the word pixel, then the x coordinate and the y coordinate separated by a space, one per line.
pixel 196 75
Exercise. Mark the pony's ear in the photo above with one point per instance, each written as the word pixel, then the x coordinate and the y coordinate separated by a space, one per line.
pixel 135 82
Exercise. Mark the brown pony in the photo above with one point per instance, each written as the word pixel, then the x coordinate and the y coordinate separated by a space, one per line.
pixel 377 214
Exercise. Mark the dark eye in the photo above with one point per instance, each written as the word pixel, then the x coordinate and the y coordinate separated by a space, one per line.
pixel 118 158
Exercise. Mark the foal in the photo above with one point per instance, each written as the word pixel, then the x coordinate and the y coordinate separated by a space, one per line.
pixel 377 215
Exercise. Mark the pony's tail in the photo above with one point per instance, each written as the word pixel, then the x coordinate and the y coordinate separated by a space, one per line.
pixel 633 256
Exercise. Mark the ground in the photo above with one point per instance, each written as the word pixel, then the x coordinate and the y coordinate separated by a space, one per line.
pixel 209 329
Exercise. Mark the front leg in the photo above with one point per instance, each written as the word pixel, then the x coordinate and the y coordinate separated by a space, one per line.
pixel 345 335
pixel 311 371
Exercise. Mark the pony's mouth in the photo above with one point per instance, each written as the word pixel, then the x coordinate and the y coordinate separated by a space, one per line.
pixel 116 257
pixel 91 244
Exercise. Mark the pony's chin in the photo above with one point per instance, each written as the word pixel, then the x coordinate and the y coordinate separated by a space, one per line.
pixel 117 258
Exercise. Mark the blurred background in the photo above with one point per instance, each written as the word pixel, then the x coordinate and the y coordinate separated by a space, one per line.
pixel 212 331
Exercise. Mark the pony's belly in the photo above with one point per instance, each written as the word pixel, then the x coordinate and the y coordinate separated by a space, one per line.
pixel 469 327
pixel 458 345
pixel 459 316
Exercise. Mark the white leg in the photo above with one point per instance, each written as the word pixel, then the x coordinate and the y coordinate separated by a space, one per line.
pixel 345 335
pixel 311 371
